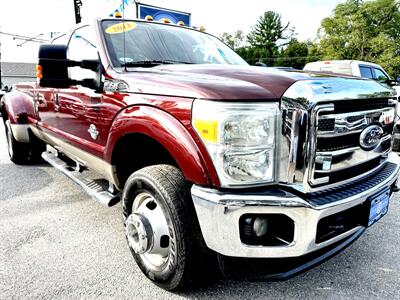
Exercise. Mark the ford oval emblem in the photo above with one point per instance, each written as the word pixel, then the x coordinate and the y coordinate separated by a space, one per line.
pixel 370 137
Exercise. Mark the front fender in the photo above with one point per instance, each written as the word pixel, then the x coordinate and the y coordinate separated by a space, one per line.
pixel 170 133
pixel 19 107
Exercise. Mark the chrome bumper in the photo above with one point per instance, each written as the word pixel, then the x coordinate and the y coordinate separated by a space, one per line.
pixel 219 213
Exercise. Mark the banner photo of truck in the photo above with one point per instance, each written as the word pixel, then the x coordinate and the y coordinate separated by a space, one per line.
pixel 160 14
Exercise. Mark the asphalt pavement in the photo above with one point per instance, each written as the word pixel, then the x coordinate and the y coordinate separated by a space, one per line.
pixel 56 242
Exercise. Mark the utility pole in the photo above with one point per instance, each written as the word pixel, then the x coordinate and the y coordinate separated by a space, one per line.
pixel 77 6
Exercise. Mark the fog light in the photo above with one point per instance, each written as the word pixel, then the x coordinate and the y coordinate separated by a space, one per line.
pixel 266 229
pixel 260 226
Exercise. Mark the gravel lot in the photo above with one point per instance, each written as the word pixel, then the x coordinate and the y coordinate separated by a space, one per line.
pixel 58 243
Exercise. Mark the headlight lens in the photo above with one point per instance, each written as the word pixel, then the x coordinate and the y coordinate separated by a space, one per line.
pixel 240 138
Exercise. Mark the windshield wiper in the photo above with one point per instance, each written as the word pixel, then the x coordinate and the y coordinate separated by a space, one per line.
pixel 151 63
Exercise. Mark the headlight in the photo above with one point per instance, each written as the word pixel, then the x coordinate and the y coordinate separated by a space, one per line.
pixel 240 138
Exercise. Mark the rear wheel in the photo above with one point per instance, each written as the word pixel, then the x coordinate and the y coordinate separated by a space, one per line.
pixel 161 226
pixel 23 153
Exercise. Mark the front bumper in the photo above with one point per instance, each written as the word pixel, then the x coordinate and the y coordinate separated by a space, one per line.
pixel 219 214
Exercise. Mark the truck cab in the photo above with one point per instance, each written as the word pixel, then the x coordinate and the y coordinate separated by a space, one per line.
pixel 210 157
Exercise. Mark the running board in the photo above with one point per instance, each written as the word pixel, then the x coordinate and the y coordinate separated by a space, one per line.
pixel 95 190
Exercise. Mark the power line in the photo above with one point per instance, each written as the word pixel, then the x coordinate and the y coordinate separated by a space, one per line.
pixel 287 58
pixel 28 40
pixel 25 38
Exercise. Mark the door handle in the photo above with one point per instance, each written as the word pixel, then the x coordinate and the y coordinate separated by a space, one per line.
pixel 56 100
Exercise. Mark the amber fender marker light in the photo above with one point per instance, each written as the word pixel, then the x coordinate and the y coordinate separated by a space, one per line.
pixel 149 18
pixel 39 73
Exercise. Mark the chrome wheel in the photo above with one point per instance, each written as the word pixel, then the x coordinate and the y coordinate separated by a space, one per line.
pixel 148 232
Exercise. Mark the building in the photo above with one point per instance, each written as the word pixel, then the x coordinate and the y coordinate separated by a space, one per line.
pixel 14 72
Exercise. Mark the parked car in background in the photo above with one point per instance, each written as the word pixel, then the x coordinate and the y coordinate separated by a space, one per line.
pixel 361 69
pixel 350 67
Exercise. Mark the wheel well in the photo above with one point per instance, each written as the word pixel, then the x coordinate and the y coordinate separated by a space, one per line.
pixel 135 151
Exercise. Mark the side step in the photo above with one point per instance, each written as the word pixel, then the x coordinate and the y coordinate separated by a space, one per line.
pixel 95 190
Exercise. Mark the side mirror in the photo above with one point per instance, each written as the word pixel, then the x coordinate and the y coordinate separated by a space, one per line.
pixel 52 69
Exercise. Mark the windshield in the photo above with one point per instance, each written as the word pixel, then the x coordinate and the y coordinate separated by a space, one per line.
pixel 149 44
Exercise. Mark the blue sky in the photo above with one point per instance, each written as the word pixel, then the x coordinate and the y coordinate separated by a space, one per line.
pixel 33 17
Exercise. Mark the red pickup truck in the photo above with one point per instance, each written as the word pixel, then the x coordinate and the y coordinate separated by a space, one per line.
pixel 209 156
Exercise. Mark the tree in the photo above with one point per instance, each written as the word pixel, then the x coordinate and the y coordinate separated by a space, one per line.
pixel 363 30
pixel 235 40
pixel 294 55
pixel 252 55
pixel 267 32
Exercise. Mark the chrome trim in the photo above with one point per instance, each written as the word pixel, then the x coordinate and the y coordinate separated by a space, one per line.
pixel 84 158
pixel 93 189
pixel 357 157
pixel 343 126
pixel 301 99
pixel 326 89
pixel 219 215
pixel 298 118
pixel 354 156
pixel 347 181
pixel 20 132
pixel 313 142
pixel 292 142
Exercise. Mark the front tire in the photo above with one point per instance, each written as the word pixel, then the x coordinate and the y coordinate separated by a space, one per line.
pixel 161 226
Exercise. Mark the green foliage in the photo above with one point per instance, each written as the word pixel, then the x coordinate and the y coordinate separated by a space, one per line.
pixel 363 30
pixel 252 55
pixel 294 55
pixel 235 40
pixel 267 32
pixel 360 30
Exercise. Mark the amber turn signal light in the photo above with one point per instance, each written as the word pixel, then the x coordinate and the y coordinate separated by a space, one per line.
pixel 39 73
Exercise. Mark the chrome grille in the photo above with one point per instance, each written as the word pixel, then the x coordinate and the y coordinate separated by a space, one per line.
pixel 322 119
pixel 335 151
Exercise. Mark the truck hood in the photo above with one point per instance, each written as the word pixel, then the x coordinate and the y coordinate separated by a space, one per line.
pixel 218 82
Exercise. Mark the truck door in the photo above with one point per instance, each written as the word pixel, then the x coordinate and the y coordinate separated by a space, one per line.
pixel 78 108
pixel 44 99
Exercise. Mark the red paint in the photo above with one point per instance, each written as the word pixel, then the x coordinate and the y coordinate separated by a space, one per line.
pixel 17 103
pixel 158 104
pixel 169 132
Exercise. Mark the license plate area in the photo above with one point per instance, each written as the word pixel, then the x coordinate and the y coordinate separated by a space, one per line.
pixel 379 205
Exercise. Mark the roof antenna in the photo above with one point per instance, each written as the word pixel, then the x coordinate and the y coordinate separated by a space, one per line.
pixel 123 28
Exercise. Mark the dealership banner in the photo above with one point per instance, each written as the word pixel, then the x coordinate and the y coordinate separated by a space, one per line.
pixel 159 14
